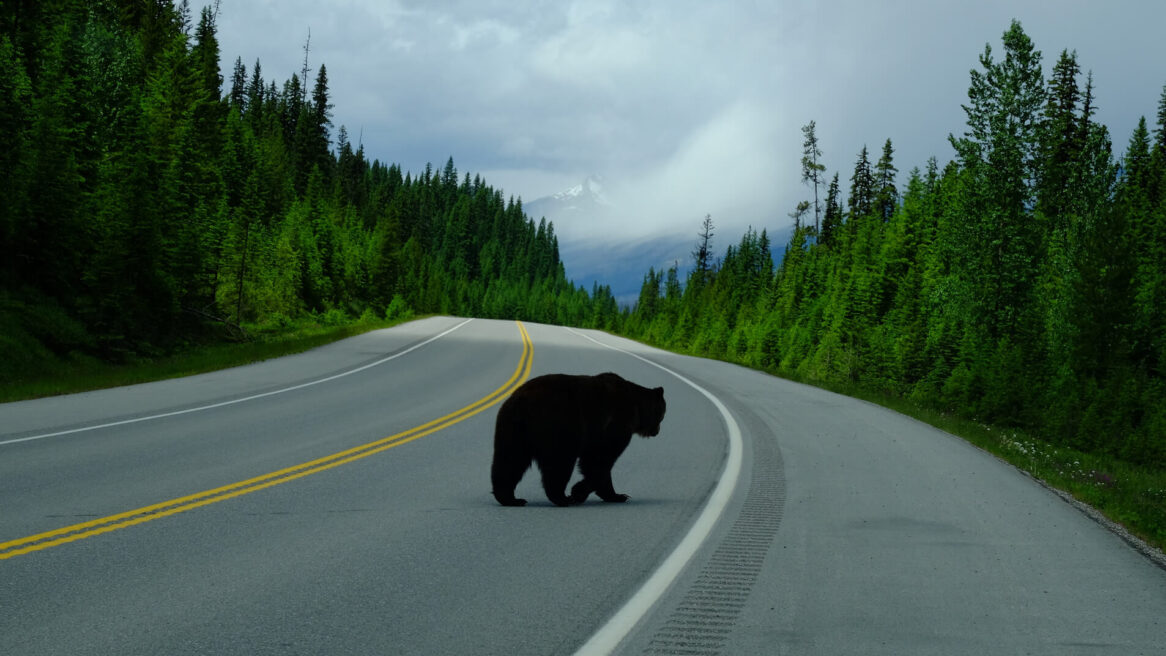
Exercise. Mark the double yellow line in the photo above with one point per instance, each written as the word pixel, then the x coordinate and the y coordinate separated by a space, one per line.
pixel 183 504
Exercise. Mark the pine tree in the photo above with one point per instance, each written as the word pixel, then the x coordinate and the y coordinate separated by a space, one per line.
pixel 1061 140
pixel 50 239
pixel 205 56
pixel 15 153
pixel 321 111
pixel 799 212
pixel 291 108
pixel 861 201
pixel 832 219
pixel 256 99
pixel 1103 304
pixel 702 255
pixel 649 298
pixel 311 134
pixel 886 194
pixel 999 243
pixel 1148 245
pixel 812 170
pixel 238 95
pixel 1158 181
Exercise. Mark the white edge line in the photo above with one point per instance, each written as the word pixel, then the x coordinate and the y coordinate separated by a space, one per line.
pixel 611 634
pixel 239 400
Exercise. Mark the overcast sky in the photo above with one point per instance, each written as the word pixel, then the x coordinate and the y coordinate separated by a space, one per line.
pixel 683 107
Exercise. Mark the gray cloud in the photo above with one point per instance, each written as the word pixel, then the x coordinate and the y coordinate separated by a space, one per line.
pixel 684 107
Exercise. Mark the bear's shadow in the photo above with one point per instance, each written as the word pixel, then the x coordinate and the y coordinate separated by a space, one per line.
pixel 536 502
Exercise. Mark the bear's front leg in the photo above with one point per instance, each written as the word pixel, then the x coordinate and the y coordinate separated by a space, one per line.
pixel 556 475
pixel 596 478
pixel 509 501
pixel 580 491
pixel 604 489
pixel 613 497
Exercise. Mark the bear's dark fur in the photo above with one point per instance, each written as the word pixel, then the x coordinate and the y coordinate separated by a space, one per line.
pixel 557 419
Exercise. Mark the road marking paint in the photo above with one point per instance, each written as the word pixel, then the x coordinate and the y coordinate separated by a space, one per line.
pixel 182 504
pixel 611 634
pixel 239 400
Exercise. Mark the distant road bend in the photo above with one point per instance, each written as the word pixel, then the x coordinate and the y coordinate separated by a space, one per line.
pixel 337 501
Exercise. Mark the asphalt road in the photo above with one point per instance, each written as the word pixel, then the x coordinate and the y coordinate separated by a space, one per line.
pixel 230 525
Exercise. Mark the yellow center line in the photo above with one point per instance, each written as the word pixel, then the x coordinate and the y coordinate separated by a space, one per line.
pixel 182 504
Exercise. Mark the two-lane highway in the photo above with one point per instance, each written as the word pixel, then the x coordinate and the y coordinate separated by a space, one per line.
pixel 338 502
pixel 402 551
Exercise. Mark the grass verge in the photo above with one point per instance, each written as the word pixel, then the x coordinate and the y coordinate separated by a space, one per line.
pixel 1131 495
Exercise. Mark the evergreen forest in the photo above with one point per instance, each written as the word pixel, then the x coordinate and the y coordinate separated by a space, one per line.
pixel 149 203
pixel 1022 284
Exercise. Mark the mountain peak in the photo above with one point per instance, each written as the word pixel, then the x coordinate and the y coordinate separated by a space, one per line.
pixel 583 202
pixel 590 188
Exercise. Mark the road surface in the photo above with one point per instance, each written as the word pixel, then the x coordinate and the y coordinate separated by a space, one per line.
pixel 338 502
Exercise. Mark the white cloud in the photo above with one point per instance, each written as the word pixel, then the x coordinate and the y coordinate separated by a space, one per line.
pixel 593 56
pixel 483 34
pixel 725 167
pixel 696 107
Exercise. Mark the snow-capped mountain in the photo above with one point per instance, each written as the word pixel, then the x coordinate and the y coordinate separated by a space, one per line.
pixel 585 199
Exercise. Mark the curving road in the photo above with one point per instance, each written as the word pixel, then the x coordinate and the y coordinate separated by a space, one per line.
pixel 338 502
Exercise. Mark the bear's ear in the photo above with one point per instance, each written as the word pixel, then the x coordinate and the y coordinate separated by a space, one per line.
pixel 659 392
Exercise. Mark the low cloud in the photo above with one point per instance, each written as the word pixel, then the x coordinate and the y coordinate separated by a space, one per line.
pixel 686 108
pixel 726 167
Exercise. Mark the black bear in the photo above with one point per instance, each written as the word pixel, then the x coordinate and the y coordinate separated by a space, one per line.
pixel 558 419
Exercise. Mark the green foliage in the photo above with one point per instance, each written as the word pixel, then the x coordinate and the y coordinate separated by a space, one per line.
pixel 143 209
pixel 1023 285
pixel 398 309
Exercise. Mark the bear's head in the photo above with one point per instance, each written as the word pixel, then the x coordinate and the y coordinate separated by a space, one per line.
pixel 651 412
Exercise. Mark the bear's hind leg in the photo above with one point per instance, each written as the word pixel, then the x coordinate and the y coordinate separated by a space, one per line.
pixel 508 468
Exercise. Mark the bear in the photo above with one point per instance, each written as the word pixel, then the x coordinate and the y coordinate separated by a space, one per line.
pixel 557 420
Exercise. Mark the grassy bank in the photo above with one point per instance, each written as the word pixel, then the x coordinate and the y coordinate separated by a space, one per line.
pixel 265 341
pixel 1129 494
